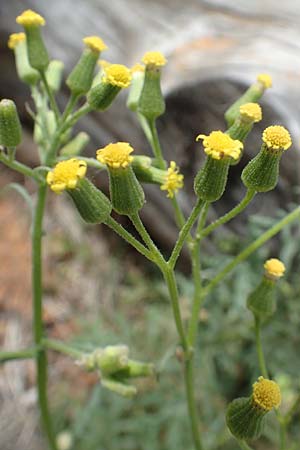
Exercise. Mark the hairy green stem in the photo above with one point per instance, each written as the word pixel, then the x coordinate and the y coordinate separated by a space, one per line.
pixel 227 217
pixel 114 225
pixel 18 167
pixel 196 271
pixel 50 95
pixel 288 219
pixel 170 280
pixel 185 230
pixel 61 347
pixel 27 353
pixel 259 349
pixel 41 356
pixel 191 402
pixel 155 144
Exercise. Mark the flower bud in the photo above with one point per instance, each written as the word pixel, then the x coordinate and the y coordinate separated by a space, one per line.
pixel 261 173
pixel 54 74
pixel 91 203
pixel 138 75
pixel 151 103
pixel 26 73
pixel 250 113
pixel 245 416
pixel 81 77
pixel 253 94
pixel 261 300
pixel 10 127
pixel 115 78
pixel 127 195
pixel 210 182
pixel 76 145
pixel 37 52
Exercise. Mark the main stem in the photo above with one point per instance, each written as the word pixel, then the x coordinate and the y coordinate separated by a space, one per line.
pixel 41 356
pixel 192 407
pixel 259 349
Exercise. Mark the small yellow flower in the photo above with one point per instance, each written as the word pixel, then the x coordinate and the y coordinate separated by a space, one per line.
pixel 15 39
pixel 219 145
pixel 117 75
pixel 251 111
pixel 95 43
pixel 156 59
pixel 137 68
pixel 266 394
pixel 277 137
pixel 30 18
pixel 66 174
pixel 274 268
pixel 265 79
pixel 173 181
pixel 116 155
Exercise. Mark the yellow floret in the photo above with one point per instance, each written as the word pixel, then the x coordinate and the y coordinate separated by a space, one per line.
pixel 95 43
pixel 219 145
pixel 173 181
pixel 115 155
pixel 156 59
pixel 277 137
pixel 266 394
pixel 251 111
pixel 15 39
pixel 66 174
pixel 265 79
pixel 30 18
pixel 274 267
pixel 117 75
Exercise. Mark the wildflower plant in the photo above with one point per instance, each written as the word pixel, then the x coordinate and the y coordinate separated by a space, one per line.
pixel 63 170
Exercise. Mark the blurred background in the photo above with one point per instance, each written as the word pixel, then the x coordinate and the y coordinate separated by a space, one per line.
pixel 97 290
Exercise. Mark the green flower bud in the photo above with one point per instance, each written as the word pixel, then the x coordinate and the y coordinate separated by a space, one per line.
pixel 261 173
pixel 10 127
pixel 125 390
pixel 116 77
pixel 54 74
pixel 138 75
pixel 37 52
pixel 26 73
pixel 151 103
pixel 261 300
pixel 210 182
pixel 127 195
pixel 91 203
pixel 76 145
pixel 253 94
pixel 81 78
pixel 245 416
pixel 250 113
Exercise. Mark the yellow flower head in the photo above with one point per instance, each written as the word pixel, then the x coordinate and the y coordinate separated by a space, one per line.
pixel 251 112
pixel 277 137
pixel 155 59
pixel 274 268
pixel 94 43
pixel 15 39
pixel 219 145
pixel 30 18
pixel 265 79
pixel 137 68
pixel 116 155
pixel 173 180
pixel 117 75
pixel 66 174
pixel 266 394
